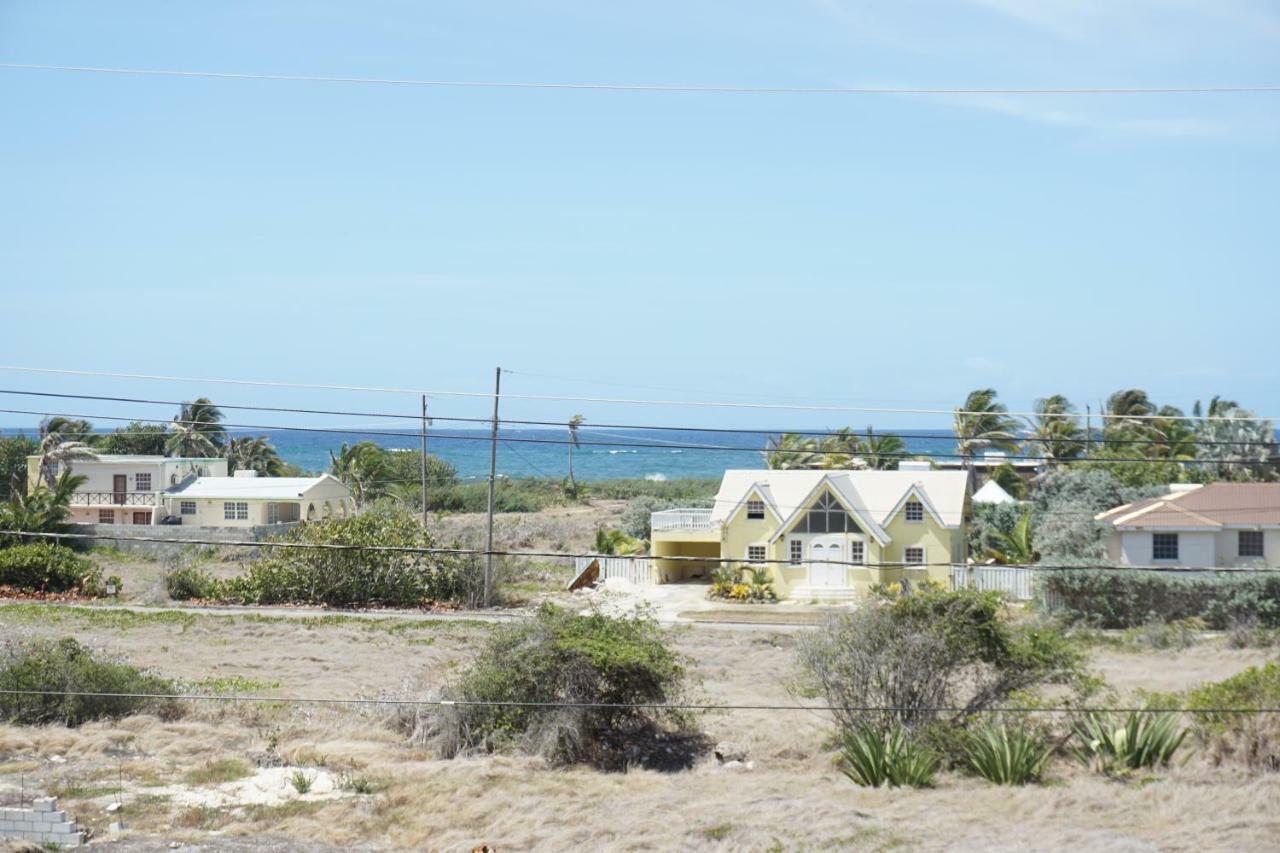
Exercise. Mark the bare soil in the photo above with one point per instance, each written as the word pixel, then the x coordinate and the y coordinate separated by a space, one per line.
pixel 793 797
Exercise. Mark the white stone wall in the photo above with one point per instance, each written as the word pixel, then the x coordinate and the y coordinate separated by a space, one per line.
pixel 42 824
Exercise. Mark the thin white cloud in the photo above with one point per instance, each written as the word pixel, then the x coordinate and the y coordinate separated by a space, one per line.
pixel 1039 111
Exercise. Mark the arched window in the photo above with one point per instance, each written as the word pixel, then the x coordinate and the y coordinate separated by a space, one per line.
pixel 827 516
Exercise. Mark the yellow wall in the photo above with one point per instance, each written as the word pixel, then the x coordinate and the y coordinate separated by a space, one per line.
pixel 928 534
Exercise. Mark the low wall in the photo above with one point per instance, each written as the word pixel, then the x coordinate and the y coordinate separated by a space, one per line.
pixel 42 824
pixel 95 535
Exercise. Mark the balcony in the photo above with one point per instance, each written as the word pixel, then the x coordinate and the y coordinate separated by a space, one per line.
pixel 148 499
pixel 682 519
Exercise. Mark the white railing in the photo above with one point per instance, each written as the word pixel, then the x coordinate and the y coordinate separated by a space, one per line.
pixel 114 499
pixel 681 519
pixel 638 570
pixel 1014 581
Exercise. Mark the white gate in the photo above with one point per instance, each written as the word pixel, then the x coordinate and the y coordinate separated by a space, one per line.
pixel 638 570
pixel 1014 581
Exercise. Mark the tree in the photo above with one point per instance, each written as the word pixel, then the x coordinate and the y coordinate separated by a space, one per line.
pixel 617 543
pixel 791 451
pixel 1007 478
pixel 1168 436
pixel 43 510
pixel 362 466
pixel 197 431
pixel 402 477
pixel 62 441
pixel 1123 415
pixel 884 451
pixel 1055 430
pixel 574 423
pixel 14 451
pixel 254 454
pixel 1014 547
pixel 134 438
pixel 1238 445
pixel 983 423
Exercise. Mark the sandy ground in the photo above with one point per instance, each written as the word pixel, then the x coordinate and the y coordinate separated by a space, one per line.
pixel 792 798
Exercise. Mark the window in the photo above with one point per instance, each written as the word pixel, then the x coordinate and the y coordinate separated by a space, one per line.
pixel 797 552
pixel 755 553
pixel 235 511
pixel 856 552
pixel 106 516
pixel 1164 546
pixel 755 509
pixel 187 507
pixel 142 518
pixel 142 482
pixel 914 510
pixel 827 516
pixel 914 556
pixel 1250 543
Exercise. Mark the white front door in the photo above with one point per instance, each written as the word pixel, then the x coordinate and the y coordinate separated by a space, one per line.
pixel 826 553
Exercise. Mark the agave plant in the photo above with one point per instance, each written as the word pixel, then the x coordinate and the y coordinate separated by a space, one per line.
pixel 1137 740
pixel 872 758
pixel 1007 754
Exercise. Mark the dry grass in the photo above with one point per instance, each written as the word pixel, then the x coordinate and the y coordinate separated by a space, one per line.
pixel 793 798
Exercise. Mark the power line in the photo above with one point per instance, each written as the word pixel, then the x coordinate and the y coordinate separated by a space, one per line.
pixel 741 561
pixel 658 87
pixel 417 392
pixel 654 706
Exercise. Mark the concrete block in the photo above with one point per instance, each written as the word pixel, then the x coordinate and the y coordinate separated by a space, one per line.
pixel 51 817
pixel 63 826
pixel 7 826
pixel 44 804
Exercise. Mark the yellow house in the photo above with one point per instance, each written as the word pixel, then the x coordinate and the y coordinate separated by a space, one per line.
pixel 822 534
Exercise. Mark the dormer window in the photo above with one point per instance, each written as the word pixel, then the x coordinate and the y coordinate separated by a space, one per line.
pixel 914 510
pixel 755 510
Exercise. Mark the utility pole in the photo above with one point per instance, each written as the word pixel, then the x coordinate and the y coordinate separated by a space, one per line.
pixel 493 479
pixel 424 460
pixel 1088 430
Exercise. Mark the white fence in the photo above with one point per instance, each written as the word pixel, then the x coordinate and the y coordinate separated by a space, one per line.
pixel 638 570
pixel 1014 581
pixel 681 519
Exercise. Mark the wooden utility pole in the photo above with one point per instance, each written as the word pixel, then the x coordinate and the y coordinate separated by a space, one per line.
pixel 1088 430
pixel 493 479
pixel 424 460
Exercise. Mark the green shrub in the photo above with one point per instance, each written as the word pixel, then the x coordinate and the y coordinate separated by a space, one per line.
pixel 1125 598
pixel 1007 754
pixel 1140 739
pixel 1251 738
pixel 67 666
pixel 48 568
pixel 188 582
pixel 582 678
pixel 686 491
pixel 872 758
pixel 350 577
pixel 916 654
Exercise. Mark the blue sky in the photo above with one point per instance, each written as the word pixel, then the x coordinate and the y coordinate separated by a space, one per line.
pixel 872 250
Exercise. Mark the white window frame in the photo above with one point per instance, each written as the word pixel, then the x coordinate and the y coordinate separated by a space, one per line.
pixel 1261 539
pixel 106 516
pixel 1165 537
pixel 755 510
pixel 235 511
pixel 763 553
pixel 906 555
pixel 858 552
pixel 913 507
pixel 183 507
pixel 142 482
pixel 797 552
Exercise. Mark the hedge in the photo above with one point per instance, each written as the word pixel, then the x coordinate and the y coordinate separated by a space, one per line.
pixel 48 568
pixel 1127 598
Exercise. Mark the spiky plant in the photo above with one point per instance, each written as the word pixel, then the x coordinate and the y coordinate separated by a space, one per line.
pixel 1007 754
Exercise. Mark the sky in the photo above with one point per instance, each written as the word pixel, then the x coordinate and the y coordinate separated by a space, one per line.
pixel 872 251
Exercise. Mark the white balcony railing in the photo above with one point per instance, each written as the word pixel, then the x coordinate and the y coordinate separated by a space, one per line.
pixel 681 519
pixel 115 499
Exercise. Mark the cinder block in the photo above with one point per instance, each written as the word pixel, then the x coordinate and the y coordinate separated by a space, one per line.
pixel 66 839
pixel 44 804
pixel 63 826
pixel 7 825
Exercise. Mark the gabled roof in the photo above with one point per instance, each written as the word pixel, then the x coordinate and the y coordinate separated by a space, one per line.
pixel 853 507
pixel 873 495
pixel 1208 507
pixel 249 488
pixel 992 493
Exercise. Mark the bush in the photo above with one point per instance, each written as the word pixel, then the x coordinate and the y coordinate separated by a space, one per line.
pixel 683 491
pixel 917 654
pixel 1064 504
pixel 1252 738
pixel 584 677
pixel 188 582
pixel 1140 739
pixel 48 568
pixel 65 665
pixel 1007 754
pixel 872 758
pixel 350 577
pixel 636 521
pixel 1125 598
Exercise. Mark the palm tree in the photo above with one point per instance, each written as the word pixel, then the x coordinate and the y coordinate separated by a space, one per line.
pixel 361 466
pixel 1123 416
pixel 1240 444
pixel 44 510
pixel 841 451
pixel 574 423
pixel 1169 436
pixel 62 441
pixel 1055 430
pixel 790 451
pixel 197 430
pixel 882 451
pixel 255 454
pixel 1015 547
pixel 983 423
